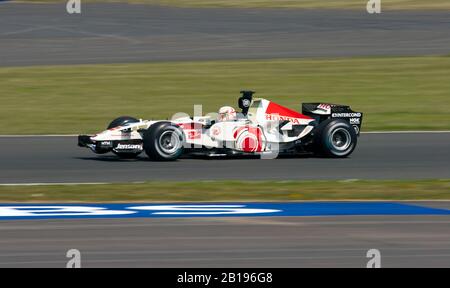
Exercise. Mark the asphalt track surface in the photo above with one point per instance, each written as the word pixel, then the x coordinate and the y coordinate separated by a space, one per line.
pixel 378 156
pixel 404 241
pixel 341 241
pixel 42 34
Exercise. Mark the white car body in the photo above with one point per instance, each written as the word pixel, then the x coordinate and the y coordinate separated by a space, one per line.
pixel 258 132
pixel 263 127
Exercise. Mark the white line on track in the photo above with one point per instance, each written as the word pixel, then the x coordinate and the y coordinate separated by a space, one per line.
pixel 140 182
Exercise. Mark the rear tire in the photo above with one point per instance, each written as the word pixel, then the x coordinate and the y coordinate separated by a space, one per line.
pixel 335 138
pixel 164 141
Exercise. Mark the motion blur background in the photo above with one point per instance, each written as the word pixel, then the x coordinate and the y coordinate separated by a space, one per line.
pixel 153 61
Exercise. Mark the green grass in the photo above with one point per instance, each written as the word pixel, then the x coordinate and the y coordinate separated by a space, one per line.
pixel 231 191
pixel 404 93
pixel 309 4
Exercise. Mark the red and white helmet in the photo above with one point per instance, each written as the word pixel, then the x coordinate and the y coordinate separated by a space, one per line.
pixel 227 113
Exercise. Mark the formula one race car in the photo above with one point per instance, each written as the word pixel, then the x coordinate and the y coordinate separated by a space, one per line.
pixel 262 128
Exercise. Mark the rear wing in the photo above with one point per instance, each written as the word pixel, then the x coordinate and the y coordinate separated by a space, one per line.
pixel 323 111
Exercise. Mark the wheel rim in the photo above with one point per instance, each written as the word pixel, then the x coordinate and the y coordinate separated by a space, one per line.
pixel 169 141
pixel 340 139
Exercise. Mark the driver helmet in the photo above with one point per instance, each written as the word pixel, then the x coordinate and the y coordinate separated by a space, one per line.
pixel 227 113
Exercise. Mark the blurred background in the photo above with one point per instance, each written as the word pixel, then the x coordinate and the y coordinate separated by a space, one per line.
pixel 67 73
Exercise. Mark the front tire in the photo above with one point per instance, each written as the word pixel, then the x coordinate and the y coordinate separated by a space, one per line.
pixel 164 141
pixel 335 138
